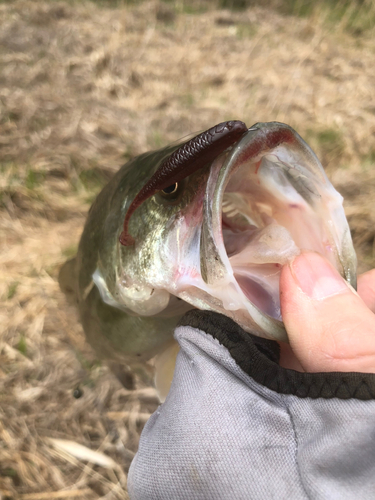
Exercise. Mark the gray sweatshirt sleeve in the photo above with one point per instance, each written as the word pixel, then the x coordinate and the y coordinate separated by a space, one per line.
pixel 237 426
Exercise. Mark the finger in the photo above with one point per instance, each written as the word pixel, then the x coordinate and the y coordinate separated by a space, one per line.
pixel 288 359
pixel 366 288
pixel 329 326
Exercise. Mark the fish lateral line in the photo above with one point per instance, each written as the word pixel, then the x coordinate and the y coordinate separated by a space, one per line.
pixel 187 159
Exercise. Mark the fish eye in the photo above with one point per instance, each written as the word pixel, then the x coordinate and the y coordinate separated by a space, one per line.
pixel 172 193
pixel 170 189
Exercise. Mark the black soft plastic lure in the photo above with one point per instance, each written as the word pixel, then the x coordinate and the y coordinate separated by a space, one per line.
pixel 187 159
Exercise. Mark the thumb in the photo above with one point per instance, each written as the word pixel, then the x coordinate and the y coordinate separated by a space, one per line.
pixel 329 326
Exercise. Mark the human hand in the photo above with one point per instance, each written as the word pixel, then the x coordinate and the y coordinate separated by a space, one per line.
pixel 331 328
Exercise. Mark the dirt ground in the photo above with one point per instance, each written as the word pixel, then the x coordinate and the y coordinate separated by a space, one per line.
pixel 83 87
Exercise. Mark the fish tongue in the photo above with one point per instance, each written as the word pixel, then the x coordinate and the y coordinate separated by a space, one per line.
pixel 270 244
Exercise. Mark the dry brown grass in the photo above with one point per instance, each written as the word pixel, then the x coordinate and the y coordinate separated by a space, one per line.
pixel 82 88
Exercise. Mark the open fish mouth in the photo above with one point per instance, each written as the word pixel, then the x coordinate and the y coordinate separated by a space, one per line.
pixel 267 200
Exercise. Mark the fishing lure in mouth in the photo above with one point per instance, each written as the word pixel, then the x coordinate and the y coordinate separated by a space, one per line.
pixel 187 159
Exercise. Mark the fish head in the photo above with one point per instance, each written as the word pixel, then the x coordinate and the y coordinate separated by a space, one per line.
pixel 219 238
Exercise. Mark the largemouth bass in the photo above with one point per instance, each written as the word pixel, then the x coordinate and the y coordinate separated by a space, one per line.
pixel 211 230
